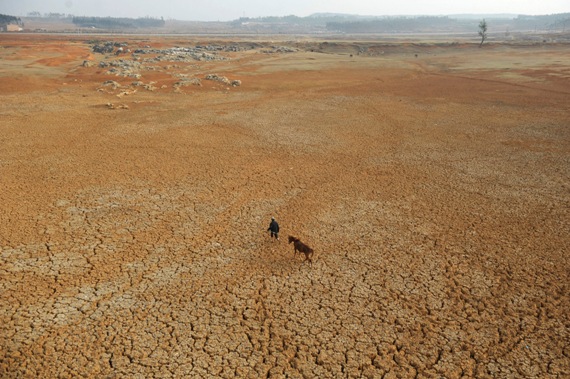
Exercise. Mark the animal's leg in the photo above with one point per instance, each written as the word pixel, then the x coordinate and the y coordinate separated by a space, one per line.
pixel 308 258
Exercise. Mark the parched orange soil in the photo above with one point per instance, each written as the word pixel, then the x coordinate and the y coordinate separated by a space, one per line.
pixel 435 190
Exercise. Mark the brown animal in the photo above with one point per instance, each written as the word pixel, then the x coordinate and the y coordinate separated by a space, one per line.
pixel 302 248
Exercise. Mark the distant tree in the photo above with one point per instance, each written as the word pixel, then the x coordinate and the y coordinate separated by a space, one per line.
pixel 7 20
pixel 483 31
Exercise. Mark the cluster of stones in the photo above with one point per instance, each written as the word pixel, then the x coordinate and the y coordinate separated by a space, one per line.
pixel 185 82
pixel 179 54
pixel 108 47
pixel 131 68
pixel 223 79
pixel 173 54
pixel 122 67
pixel 202 53
pixel 279 49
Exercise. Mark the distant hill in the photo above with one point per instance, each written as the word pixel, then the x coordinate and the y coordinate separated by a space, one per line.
pixel 457 23
pixel 505 16
pixel 461 23
pixel 452 16
pixel 341 15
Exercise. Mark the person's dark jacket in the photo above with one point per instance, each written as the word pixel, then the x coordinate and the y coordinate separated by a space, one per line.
pixel 273 226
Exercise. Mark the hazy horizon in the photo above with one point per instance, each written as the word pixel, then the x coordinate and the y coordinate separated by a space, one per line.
pixel 226 10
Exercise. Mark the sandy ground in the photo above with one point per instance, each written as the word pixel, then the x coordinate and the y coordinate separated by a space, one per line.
pixel 435 190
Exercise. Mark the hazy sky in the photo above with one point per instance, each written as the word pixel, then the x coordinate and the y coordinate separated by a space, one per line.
pixel 224 10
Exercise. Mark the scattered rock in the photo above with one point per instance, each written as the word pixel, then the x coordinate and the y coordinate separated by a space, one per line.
pixel 104 49
pixel 108 47
pixel 126 93
pixel 111 83
pixel 279 49
pixel 118 106
pixel 217 78
pixel 188 82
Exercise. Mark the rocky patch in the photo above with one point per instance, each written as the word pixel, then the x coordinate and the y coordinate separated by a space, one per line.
pixel 223 79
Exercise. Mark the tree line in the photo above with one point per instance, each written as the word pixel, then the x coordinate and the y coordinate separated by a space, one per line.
pixel 118 22
pixel 6 20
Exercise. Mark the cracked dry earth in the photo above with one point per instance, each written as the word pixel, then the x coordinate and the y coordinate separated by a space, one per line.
pixel 435 191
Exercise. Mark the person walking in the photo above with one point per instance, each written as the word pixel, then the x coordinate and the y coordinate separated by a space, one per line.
pixel 274 228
